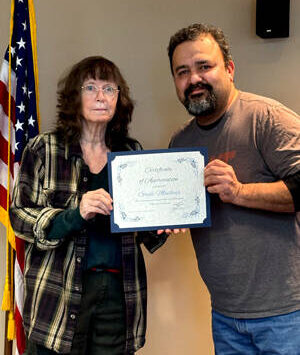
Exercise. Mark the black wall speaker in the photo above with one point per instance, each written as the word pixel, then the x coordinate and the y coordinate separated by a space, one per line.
pixel 272 18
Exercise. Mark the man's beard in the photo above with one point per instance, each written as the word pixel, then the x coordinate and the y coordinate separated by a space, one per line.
pixel 197 105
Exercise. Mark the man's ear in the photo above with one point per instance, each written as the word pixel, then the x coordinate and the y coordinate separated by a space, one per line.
pixel 230 70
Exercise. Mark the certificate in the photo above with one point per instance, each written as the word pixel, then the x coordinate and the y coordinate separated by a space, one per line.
pixel 158 189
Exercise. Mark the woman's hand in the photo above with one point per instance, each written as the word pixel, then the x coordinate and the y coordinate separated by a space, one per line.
pixel 169 231
pixel 93 202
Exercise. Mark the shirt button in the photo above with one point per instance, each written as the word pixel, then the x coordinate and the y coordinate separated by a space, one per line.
pixel 77 288
pixel 85 179
pixel 72 316
pixel 78 259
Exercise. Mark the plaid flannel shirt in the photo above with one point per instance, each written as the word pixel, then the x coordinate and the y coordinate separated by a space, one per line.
pixel 51 179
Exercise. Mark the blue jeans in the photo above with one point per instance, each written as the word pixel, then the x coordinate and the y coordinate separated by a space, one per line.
pixel 278 335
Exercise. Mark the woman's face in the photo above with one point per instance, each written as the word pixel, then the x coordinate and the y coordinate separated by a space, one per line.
pixel 99 100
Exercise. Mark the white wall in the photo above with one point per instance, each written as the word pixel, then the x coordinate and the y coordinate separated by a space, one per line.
pixel 134 34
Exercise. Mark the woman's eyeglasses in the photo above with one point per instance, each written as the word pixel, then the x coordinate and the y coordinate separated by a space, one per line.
pixel 92 90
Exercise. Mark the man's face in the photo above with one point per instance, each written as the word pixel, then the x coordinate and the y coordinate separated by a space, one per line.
pixel 203 84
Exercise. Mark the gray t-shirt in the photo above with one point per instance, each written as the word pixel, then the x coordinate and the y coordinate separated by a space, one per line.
pixel 250 259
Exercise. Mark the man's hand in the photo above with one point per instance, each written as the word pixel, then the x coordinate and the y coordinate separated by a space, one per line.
pixel 93 202
pixel 220 178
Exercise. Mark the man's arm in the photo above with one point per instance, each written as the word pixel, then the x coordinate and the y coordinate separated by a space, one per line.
pixel 273 196
pixel 220 179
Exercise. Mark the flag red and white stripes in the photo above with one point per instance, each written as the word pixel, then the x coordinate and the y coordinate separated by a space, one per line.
pixel 4 132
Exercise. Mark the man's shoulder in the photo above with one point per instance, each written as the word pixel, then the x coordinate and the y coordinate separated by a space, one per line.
pixel 263 106
pixel 258 100
pixel 183 131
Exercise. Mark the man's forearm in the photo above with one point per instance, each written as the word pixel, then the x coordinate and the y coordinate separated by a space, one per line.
pixel 273 196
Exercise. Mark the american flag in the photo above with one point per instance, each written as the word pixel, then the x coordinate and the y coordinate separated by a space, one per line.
pixel 18 123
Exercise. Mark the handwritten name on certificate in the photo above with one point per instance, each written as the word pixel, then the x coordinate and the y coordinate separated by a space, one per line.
pixel 158 189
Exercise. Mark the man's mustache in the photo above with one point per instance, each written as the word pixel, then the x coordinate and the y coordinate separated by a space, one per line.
pixel 192 87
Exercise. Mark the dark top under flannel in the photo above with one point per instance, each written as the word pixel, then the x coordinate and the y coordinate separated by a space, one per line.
pixel 104 248
pixel 52 179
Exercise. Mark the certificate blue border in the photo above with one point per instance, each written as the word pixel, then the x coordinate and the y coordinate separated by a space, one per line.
pixel 111 156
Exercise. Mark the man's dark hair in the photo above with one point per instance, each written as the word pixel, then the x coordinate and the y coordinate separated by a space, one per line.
pixel 69 117
pixel 192 32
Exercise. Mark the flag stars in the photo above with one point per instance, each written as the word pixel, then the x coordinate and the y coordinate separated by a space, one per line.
pixel 19 125
pixel 31 121
pixel 12 51
pixel 20 58
pixel 18 62
pixel 21 43
pixel 21 107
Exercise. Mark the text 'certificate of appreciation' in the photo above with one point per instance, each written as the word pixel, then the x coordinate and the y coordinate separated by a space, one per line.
pixel 158 189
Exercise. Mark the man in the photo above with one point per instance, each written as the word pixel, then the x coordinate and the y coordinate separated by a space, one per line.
pixel 250 257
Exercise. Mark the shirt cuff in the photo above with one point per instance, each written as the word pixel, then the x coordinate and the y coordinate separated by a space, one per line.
pixel 293 184
pixel 65 223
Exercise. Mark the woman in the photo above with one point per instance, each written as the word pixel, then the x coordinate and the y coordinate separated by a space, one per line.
pixel 85 289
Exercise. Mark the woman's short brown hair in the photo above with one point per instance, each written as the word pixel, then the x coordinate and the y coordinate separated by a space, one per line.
pixel 69 117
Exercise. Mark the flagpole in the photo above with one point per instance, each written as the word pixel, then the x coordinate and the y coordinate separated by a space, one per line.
pixel 8 344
